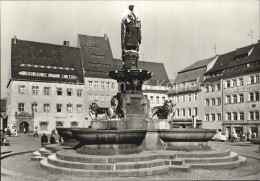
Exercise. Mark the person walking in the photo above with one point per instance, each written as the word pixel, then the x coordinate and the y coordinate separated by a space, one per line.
pixel 44 140
pixel 52 139
pixel 8 132
pixel 35 133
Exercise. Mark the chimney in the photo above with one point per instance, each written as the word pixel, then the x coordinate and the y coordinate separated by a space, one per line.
pixel 105 36
pixel 66 43
pixel 15 39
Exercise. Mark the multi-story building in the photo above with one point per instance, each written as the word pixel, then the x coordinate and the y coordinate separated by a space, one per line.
pixel 212 93
pixel 241 91
pixel 46 87
pixel 186 91
pixel 97 61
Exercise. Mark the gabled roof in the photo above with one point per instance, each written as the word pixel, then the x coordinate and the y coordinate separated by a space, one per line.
pixel 222 62
pixel 254 56
pixel 39 57
pixel 159 73
pixel 96 55
pixel 192 75
pixel 198 64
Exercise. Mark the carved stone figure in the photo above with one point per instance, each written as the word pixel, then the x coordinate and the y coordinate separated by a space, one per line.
pixel 164 111
pixel 94 109
pixel 130 30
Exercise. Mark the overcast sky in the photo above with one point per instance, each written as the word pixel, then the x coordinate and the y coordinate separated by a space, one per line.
pixel 177 33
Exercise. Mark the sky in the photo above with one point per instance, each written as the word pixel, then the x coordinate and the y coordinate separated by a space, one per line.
pixel 176 33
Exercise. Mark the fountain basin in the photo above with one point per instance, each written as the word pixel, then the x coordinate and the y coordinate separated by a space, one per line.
pixel 186 139
pixel 131 74
pixel 108 142
pixel 67 136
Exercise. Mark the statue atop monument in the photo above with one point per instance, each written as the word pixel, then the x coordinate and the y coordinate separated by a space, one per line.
pixel 130 30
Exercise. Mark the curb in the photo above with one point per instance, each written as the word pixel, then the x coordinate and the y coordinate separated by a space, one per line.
pixel 16 153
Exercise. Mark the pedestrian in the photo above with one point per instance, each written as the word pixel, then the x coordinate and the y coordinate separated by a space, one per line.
pixel 35 133
pixel 44 140
pixel 52 139
pixel 8 132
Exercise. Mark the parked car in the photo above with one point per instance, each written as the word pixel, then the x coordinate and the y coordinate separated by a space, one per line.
pixel 219 137
pixel 255 140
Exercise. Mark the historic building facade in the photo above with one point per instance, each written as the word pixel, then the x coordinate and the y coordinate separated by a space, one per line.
pixel 241 91
pixel 186 92
pixel 46 87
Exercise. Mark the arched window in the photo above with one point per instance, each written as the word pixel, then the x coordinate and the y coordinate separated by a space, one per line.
pixel 74 124
pixel 43 126
pixel 59 123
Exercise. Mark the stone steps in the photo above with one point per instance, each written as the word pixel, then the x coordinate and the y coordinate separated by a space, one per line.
pixel 222 165
pixel 232 157
pixel 37 158
pixel 143 164
pixel 52 159
pixel 105 173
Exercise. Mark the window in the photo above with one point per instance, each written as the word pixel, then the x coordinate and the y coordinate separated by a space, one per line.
pixel 227 83
pixel 113 85
pixel 206 117
pixel 21 107
pixel 96 97
pixel 213 117
pixel 90 97
pixel 257 79
pixel 217 87
pixel 213 103
pixel 228 116
pixel 69 108
pixel 107 85
pixel 251 115
pixel 59 123
pixel 74 124
pixel 59 91
pixel 195 111
pixel 69 92
pixel 189 112
pixel 241 81
pixel 151 99
pixel 183 112
pixel 59 107
pixel 35 90
pixel 79 108
pixel 157 100
pixel 183 98
pixel 234 98
pixel 228 99
pixel 219 117
pixel 102 86
pixel 34 107
pixel 195 97
pixel 178 99
pixel 22 89
pixel 79 92
pixel 218 101
pixel 234 83
pixel 189 97
pixel 256 96
pixel 90 83
pixel 46 107
pixel 43 126
pixel 95 84
pixel 207 102
pixel 178 112
pixel 46 90
pixel 241 97
pixel 102 98
pixel 108 98
pixel 241 116
pixel 234 116
pixel 212 88
pixel 252 80
pixel 163 99
pixel 256 115
pixel 251 96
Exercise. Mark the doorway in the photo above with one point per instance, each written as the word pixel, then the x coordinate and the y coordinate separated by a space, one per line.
pixel 24 127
